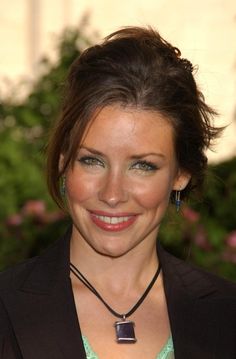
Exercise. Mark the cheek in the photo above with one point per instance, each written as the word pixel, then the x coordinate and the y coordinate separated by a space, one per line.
pixel 154 193
pixel 79 187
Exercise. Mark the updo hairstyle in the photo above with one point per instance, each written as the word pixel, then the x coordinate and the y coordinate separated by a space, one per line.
pixel 136 68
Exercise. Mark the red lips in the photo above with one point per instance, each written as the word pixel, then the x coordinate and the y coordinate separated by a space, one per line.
pixel 112 222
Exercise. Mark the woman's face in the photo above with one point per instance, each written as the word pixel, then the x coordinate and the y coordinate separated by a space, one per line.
pixel 119 186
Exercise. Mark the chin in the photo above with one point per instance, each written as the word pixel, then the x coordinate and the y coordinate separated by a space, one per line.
pixel 112 251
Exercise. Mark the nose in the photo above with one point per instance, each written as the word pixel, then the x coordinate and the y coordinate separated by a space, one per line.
pixel 113 191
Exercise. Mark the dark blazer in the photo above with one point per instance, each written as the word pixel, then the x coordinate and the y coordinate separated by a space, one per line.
pixel 38 317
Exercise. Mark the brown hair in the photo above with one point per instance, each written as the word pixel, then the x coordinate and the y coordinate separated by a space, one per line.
pixel 133 67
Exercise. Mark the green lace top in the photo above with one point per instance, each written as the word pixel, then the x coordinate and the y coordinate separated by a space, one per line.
pixel 167 351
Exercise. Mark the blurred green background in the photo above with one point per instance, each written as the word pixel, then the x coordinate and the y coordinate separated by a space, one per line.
pixel 203 232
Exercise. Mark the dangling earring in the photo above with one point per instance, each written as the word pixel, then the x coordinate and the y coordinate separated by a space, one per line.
pixel 177 200
pixel 63 186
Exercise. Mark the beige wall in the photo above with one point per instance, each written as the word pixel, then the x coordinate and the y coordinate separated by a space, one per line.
pixel 205 31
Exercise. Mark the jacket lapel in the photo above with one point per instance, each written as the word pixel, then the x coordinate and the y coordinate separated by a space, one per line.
pixel 42 310
pixel 193 314
pixel 44 318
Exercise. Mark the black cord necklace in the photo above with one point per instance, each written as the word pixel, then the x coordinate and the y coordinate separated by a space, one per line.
pixel 124 328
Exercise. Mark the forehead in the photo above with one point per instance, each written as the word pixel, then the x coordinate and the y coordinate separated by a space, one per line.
pixel 118 128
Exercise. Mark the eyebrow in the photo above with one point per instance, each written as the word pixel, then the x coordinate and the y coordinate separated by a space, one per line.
pixel 142 155
pixel 92 150
pixel 135 157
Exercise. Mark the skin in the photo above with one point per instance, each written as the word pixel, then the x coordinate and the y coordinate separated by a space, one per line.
pixel 125 171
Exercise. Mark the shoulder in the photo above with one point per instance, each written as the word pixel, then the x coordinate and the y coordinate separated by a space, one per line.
pixel 224 286
pixel 37 270
pixel 221 284
pixel 12 277
pixel 197 296
pixel 195 280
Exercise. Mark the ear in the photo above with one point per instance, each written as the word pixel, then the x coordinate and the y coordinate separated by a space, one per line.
pixel 181 180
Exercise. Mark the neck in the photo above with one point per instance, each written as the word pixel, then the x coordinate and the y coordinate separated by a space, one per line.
pixel 130 271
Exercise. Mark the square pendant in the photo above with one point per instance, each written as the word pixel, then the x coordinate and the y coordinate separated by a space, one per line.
pixel 125 332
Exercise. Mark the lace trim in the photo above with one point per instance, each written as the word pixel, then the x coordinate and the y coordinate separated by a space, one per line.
pixel 168 348
pixel 90 354
pixel 88 350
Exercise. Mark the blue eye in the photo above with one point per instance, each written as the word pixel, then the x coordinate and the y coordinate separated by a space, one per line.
pixel 91 161
pixel 145 166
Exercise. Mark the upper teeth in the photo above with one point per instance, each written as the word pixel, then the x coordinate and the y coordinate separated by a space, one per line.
pixel 112 220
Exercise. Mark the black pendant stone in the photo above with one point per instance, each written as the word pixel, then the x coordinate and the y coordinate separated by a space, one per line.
pixel 125 332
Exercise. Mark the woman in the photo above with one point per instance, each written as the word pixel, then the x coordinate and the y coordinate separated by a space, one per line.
pixel 131 138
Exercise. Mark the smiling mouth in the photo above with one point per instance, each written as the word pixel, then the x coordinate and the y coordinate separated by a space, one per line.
pixel 112 220
pixel 112 223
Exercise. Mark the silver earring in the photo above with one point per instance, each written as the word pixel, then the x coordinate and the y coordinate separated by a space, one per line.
pixel 177 200
pixel 63 186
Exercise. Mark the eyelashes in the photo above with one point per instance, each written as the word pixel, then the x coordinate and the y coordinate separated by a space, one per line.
pixel 91 161
pixel 139 165
pixel 144 166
